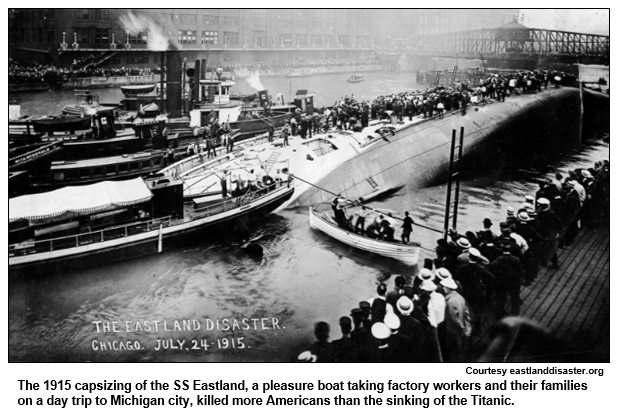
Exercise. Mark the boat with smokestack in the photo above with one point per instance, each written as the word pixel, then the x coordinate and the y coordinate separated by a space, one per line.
pixel 109 221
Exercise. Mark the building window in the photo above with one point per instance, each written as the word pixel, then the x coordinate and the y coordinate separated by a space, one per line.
pixel 102 36
pixel 188 19
pixel 314 13
pixel 83 36
pixel 285 39
pixel 231 38
pixel 260 38
pixel 317 40
pixel 301 39
pixel 231 21
pixel 231 56
pixel 209 20
pixel 102 14
pixel 50 37
pixel 343 40
pixel 138 39
pixel 164 18
pixel 260 23
pixel 82 14
pixel 285 24
pixel 329 40
pixel 315 24
pixel 187 37
pixel 209 37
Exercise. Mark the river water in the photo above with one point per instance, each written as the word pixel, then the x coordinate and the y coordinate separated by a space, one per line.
pixel 303 277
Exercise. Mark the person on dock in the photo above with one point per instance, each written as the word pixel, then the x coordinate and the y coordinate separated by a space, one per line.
pixel 322 348
pixel 407 228
pixel 411 328
pixel 397 292
pixel 457 328
pixel 379 304
pixel 361 337
pixel 433 306
pixel 508 271
pixel 382 352
pixel 344 348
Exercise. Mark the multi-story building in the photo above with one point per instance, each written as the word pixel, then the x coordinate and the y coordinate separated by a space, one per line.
pixel 225 36
pixel 398 27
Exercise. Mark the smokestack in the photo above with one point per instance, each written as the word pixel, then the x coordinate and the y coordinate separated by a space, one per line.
pixel 263 96
pixel 174 70
pixel 196 81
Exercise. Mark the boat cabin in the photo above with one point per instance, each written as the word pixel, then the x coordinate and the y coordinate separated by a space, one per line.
pixel 64 173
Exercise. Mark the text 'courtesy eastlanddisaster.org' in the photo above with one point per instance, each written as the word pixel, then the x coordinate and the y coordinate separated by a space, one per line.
pixel 504 387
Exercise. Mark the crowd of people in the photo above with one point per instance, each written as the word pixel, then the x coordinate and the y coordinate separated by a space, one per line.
pixel 432 317
pixel 29 72
pixel 286 67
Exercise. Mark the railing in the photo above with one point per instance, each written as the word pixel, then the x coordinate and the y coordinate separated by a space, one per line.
pixel 61 243
pixel 238 202
pixel 101 81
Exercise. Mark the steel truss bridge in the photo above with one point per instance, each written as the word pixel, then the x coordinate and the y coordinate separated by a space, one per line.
pixel 511 41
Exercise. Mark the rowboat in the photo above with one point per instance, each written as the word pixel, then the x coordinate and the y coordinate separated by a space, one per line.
pixel 137 89
pixel 405 253
pixel 355 78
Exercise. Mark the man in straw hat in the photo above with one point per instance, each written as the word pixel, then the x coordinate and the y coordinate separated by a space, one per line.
pixel 433 305
pixel 457 329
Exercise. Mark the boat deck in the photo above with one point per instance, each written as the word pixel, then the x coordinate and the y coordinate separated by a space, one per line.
pixel 573 301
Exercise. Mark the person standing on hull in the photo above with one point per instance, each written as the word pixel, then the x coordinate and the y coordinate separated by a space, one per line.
pixel 286 134
pixel 407 228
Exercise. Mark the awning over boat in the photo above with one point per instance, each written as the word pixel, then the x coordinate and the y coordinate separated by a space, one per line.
pixel 79 200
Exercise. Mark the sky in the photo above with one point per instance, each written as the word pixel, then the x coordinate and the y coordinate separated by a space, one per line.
pixel 595 21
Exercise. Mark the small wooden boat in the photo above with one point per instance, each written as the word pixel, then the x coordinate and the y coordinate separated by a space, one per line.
pixel 137 89
pixel 405 253
pixel 356 78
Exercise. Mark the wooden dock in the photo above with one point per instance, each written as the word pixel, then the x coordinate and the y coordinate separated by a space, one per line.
pixel 572 302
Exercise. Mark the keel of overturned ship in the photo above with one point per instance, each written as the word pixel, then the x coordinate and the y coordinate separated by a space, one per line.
pixel 418 156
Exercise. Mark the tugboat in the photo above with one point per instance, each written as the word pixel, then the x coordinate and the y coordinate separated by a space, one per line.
pixel 81 226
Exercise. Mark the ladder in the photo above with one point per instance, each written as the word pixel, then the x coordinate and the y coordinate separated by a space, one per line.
pixel 271 161
pixel 453 185
pixel 438 77
pixel 455 73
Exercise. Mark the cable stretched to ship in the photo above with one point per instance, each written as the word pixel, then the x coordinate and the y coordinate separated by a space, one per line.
pixel 357 203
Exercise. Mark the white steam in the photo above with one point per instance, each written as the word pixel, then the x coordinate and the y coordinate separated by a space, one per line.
pixel 136 25
pixel 254 81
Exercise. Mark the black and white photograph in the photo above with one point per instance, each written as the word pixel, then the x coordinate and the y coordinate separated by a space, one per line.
pixel 308 185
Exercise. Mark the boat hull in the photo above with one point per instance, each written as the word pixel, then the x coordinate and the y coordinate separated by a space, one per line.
pixel 132 246
pixel 405 253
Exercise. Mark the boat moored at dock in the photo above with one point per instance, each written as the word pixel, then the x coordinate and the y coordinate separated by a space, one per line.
pixel 87 225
